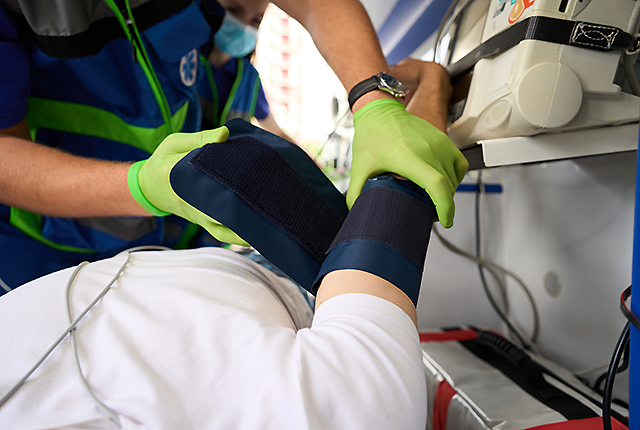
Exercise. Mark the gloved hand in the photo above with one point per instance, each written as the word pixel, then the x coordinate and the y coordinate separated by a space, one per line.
pixel 149 181
pixel 388 139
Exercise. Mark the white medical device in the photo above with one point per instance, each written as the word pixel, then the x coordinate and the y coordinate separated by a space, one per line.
pixel 526 85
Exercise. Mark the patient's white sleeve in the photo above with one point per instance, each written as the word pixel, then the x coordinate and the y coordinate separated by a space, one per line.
pixel 206 339
pixel 361 366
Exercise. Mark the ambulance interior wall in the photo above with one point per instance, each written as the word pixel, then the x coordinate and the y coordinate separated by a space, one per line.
pixel 566 229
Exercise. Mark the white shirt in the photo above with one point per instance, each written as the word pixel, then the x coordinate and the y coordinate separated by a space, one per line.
pixel 206 339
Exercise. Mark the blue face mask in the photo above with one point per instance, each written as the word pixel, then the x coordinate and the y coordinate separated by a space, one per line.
pixel 235 37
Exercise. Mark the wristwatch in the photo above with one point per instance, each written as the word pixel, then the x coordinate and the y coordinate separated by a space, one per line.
pixel 381 81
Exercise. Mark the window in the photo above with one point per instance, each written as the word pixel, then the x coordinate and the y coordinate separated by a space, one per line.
pixel 285 40
pixel 285 74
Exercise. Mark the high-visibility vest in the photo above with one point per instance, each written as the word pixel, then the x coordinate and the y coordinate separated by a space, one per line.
pixel 122 79
pixel 243 96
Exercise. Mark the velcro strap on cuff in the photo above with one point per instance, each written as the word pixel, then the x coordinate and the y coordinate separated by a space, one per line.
pixel 386 233
pixel 270 193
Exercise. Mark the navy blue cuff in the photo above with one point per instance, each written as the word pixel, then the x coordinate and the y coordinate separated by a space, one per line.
pixel 269 192
pixel 386 233
pixel 378 259
pixel 404 186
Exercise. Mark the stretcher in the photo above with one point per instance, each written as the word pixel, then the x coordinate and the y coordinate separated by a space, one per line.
pixel 477 379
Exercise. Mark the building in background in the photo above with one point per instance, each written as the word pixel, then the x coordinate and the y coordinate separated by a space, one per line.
pixel 278 59
pixel 302 89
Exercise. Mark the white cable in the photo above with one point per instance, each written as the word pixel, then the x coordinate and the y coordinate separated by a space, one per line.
pixel 498 279
pixel 113 417
pixel 504 310
pixel 491 265
pixel 4 286
pixel 501 284
pixel 629 59
pixel 631 74
pixel 505 327
pixel 71 327
pixel 513 331
pixel 146 248
pixel 634 19
pixel 74 324
pixel 593 369
pixel 335 128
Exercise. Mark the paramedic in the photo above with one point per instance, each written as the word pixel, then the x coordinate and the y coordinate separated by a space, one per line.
pixel 205 338
pixel 94 101
pixel 232 88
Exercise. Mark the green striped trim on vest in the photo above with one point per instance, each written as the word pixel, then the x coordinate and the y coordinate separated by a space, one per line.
pixel 128 23
pixel 233 93
pixel 214 91
pixel 92 121
pixel 31 225
pixel 227 112
pixel 254 97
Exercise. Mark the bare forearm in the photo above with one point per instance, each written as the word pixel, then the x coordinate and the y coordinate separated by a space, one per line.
pixel 51 182
pixel 356 281
pixel 270 124
pixel 344 35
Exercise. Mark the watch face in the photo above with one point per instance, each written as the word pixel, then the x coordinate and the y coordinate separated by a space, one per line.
pixel 391 85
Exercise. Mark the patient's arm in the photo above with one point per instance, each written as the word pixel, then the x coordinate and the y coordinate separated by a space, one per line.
pixel 399 212
pixel 429 93
pixel 381 247
pixel 356 281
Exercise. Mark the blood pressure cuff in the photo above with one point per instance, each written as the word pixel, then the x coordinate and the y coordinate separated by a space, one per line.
pixel 269 192
pixel 386 233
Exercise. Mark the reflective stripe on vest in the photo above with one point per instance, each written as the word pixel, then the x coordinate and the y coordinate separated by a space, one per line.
pixel 230 111
pixel 90 121
pixel 31 225
pixel 254 97
pixel 234 92
pixel 243 114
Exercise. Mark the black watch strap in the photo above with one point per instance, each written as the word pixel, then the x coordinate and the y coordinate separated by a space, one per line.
pixel 361 89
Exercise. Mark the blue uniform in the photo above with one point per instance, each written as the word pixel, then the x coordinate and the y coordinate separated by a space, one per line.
pixel 231 91
pixel 96 82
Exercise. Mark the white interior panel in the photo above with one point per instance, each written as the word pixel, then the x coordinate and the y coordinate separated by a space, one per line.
pixel 378 10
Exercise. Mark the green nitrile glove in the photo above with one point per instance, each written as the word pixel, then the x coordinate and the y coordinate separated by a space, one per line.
pixel 149 181
pixel 388 139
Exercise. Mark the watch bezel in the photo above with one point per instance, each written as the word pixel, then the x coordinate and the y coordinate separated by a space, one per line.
pixel 391 85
